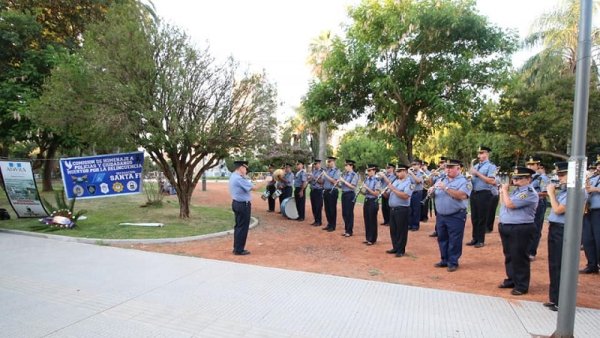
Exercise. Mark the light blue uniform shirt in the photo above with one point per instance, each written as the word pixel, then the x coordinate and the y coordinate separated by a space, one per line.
pixel 561 198
pixel 300 178
pixel 446 204
pixel 595 196
pixel 418 186
pixel 372 183
pixel 539 183
pixel 333 173
pixel 352 178
pixel 525 200
pixel 313 181
pixel 239 188
pixel 486 168
pixel 404 186
pixel 288 179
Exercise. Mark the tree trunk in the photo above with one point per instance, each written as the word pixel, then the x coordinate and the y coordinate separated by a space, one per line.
pixel 184 205
pixel 322 140
pixel 48 167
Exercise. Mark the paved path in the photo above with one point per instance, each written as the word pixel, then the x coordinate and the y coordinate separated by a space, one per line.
pixel 50 288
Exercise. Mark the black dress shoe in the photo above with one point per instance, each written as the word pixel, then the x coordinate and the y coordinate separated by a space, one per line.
pixel 506 286
pixel 433 234
pixel 516 292
pixel 326 228
pixel 241 253
pixel 313 223
pixel 452 268
pixel 440 265
pixel 588 270
pixel 479 245
pixel 330 230
pixel 300 219
pixel 473 242
pixel 270 210
pixel 399 254
pixel 549 304
pixel 383 223
pixel 553 308
pixel 369 243
pixel 390 251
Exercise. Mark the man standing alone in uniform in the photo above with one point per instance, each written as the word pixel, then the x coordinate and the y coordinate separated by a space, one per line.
pixel 451 194
pixel 517 229
pixel 482 179
pixel 316 193
pixel 300 182
pixel 239 188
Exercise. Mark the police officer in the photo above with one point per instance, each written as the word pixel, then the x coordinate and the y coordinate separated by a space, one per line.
pixel 556 219
pixel 349 181
pixel 400 191
pixel 330 193
pixel 435 176
pixel 482 179
pixel 416 178
pixel 385 208
pixel 239 188
pixel 300 182
pixel 371 206
pixel 286 185
pixel 271 188
pixel 591 225
pixel 425 203
pixel 451 195
pixel 316 192
pixel 539 182
pixel 517 229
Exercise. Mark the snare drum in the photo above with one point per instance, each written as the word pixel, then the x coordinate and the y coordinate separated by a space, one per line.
pixel 276 194
pixel 288 208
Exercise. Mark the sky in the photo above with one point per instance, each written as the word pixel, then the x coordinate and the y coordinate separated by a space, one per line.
pixel 274 35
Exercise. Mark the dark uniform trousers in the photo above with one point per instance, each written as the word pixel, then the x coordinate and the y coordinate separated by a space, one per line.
pixel 516 241
pixel 241 211
pixel 385 209
pixel 540 212
pixel 348 210
pixel 591 238
pixel 491 216
pixel 451 230
pixel 330 200
pixel 316 203
pixel 285 193
pixel 370 209
pixel 480 205
pixel 300 201
pixel 555 246
pixel 425 206
pixel 399 228
pixel 415 209
pixel 271 189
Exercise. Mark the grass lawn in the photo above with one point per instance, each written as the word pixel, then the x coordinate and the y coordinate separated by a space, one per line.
pixel 105 214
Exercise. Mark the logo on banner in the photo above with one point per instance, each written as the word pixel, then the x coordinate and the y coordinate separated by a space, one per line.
pixel 132 185
pixel 118 187
pixel 78 190
pixel 104 188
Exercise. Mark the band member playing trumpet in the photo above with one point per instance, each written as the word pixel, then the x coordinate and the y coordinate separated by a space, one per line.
pixel 400 190
pixel 348 181
pixel 286 184
pixel 370 206
pixel 435 176
pixel 517 228
pixel 591 224
pixel 330 193
pixel 271 188
pixel 539 182
pixel 482 179
pixel 451 195
pixel 416 177
pixel 300 182
pixel 316 192
pixel 385 208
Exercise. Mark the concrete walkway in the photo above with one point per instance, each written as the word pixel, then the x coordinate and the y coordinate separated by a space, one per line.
pixel 52 288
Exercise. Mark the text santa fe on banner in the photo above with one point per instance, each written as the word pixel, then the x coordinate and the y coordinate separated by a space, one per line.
pixel 21 189
pixel 102 176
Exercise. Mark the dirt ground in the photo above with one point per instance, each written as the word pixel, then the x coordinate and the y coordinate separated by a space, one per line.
pixel 282 243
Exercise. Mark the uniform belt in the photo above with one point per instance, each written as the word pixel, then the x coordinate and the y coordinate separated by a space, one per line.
pixel 454 213
pixel 374 199
pixel 557 224
pixel 399 208
pixel 515 224
pixel 480 191
pixel 242 202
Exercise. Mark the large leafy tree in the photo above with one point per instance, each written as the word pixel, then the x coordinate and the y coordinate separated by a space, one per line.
pixel 365 147
pixel 409 64
pixel 187 110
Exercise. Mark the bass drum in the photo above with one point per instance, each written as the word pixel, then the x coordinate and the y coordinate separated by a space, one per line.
pixel 288 208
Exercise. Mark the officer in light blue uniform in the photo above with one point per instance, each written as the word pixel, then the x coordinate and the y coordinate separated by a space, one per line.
pixel 385 207
pixel 451 195
pixel 271 188
pixel 330 193
pixel 416 178
pixel 371 187
pixel 400 192
pixel 300 183
pixel 539 182
pixel 349 181
pixel 517 229
pixel 438 175
pixel 239 189
pixel 482 179
pixel 316 192
pixel 591 225
pixel 286 185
